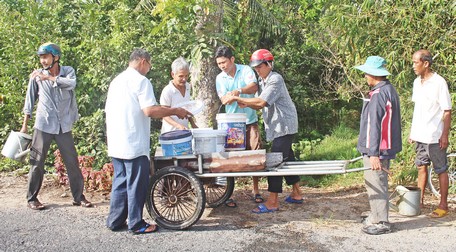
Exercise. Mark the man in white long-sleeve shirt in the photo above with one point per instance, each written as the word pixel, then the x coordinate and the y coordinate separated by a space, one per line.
pixel 53 87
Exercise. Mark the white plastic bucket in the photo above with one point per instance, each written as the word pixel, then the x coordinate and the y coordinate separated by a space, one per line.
pixel 207 140
pixel 235 127
pixel 221 138
pixel 17 146
pixel 176 143
pixel 408 203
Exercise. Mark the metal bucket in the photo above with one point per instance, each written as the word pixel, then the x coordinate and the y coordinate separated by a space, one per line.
pixel 17 146
pixel 408 202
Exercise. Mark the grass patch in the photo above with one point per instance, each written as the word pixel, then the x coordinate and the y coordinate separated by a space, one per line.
pixel 340 145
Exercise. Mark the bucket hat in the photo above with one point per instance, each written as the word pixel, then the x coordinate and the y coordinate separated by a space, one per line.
pixel 375 66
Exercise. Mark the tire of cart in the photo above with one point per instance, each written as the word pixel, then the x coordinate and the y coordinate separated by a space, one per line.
pixel 175 198
pixel 217 190
pixel 433 179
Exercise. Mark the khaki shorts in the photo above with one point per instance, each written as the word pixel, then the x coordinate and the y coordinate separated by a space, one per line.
pixel 253 141
pixel 427 153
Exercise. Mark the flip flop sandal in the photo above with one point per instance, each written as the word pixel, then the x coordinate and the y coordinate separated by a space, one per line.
pixel 438 213
pixel 145 229
pixel 258 198
pixel 83 203
pixel 231 203
pixel 289 199
pixel 261 209
pixel 35 205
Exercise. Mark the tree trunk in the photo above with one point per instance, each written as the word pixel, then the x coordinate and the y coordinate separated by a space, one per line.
pixel 205 70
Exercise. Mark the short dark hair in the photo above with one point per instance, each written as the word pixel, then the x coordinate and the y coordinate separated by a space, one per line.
pixel 223 51
pixel 139 53
pixel 425 55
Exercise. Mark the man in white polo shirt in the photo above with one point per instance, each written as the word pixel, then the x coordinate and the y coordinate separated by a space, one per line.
pixel 431 126
pixel 129 106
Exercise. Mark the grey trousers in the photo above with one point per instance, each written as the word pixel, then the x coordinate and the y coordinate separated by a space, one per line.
pixel 41 142
pixel 377 191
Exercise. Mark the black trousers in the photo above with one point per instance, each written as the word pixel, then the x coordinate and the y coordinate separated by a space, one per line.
pixel 282 144
pixel 40 146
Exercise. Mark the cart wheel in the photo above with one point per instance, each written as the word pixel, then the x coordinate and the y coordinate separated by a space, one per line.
pixel 218 190
pixel 433 179
pixel 175 198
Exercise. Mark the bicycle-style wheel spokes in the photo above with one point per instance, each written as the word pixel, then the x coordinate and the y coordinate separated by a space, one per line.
pixel 218 190
pixel 175 198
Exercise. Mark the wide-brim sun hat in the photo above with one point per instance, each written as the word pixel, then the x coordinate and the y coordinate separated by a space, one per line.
pixel 375 66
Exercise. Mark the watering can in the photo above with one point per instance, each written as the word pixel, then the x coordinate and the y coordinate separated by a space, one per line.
pixel 17 146
pixel 408 200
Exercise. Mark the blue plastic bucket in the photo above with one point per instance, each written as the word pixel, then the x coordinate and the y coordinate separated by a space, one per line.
pixel 176 143
pixel 235 127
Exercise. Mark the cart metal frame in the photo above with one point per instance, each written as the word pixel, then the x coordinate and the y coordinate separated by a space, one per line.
pixel 177 196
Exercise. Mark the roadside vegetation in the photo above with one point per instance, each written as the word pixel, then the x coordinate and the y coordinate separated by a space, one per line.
pixel 315 43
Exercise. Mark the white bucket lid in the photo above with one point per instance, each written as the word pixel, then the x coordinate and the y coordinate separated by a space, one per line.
pixel 232 117
pixel 203 132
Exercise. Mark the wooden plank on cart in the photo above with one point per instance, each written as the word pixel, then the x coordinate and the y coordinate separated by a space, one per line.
pixel 234 161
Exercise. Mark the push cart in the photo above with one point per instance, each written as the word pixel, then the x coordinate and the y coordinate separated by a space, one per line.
pixel 178 194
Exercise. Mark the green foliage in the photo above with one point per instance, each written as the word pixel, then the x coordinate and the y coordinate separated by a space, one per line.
pixel 349 31
pixel 340 145
pixel 96 39
pixel 90 139
pixel 316 43
pixel 8 165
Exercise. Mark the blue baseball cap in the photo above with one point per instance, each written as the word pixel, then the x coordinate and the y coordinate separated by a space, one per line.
pixel 375 66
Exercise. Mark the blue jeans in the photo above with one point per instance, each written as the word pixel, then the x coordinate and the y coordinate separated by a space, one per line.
pixel 128 194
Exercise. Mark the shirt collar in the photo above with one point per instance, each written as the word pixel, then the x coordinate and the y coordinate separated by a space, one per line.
pixel 238 69
pixel 265 79
pixel 175 90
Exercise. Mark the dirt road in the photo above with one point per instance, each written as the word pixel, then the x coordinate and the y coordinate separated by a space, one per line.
pixel 327 221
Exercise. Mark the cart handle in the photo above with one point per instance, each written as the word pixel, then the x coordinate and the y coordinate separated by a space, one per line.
pixel 355 159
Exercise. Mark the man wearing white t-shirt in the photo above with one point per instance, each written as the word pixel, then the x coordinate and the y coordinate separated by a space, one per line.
pixel 129 106
pixel 431 126
pixel 177 91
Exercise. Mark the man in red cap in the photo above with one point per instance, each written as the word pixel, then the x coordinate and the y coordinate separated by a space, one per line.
pixel 280 123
